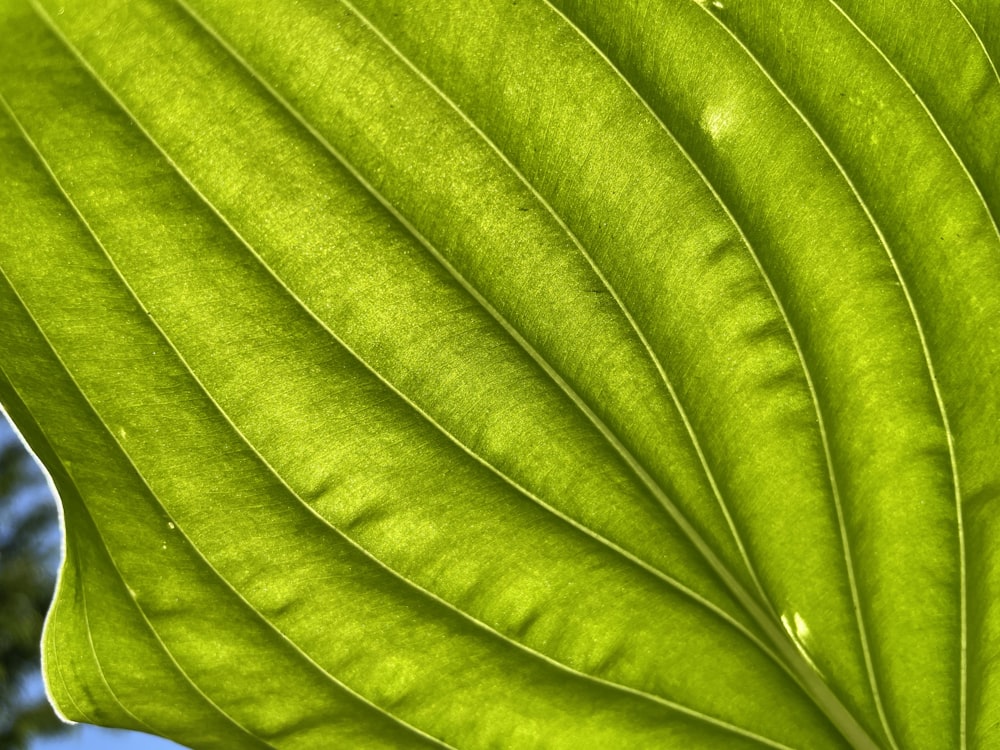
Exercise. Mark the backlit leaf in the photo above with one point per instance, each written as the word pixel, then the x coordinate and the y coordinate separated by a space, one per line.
pixel 512 374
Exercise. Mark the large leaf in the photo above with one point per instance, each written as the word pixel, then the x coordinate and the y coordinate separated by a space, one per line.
pixel 512 374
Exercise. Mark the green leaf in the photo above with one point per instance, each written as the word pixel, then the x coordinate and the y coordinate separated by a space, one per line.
pixel 512 374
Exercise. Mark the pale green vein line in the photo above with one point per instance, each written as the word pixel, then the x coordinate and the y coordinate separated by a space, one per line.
pixel 669 580
pixel 979 38
pixel 814 397
pixel 50 654
pixel 933 119
pixel 54 659
pixel 689 428
pixel 745 598
pixel 152 494
pixel 354 172
pixel 696 444
pixel 605 431
pixel 949 436
pixel 680 708
pixel 97 659
pixel 139 609
pixel 693 713
pixel 66 691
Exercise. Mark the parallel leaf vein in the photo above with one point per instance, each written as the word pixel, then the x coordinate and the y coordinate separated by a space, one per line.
pixel 50 654
pixel 680 708
pixel 142 477
pixel 793 336
pixel 688 426
pixel 925 350
pixel 951 146
pixel 97 658
pixel 606 432
pixel 167 652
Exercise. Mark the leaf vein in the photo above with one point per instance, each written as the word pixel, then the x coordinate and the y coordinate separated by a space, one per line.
pixel 97 658
pixel 496 315
pixel 187 678
pixel 925 350
pixel 979 38
pixel 944 136
pixel 145 483
pixel 786 320
pixel 680 708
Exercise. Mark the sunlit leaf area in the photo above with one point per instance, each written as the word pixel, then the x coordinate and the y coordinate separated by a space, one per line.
pixel 512 374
